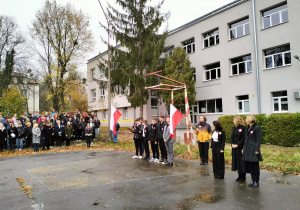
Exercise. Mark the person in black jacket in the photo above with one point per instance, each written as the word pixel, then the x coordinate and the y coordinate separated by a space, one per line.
pixel 3 137
pixel 237 143
pixel 217 146
pixel 47 135
pixel 251 150
pixel 152 139
pixel 83 126
pixel 77 128
pixel 12 133
pixel 97 124
pixel 138 138
pixel 59 133
pixel 163 151
pixel 145 139
pixel 28 135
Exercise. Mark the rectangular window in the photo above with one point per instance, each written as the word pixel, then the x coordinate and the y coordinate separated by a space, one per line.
pixel 189 46
pixel 102 93
pixel 93 74
pixel 238 29
pixel 154 110
pixel 210 106
pixel 168 51
pixel 212 71
pixel 101 73
pixel 243 104
pixel 275 16
pixel 104 115
pixel 93 95
pixel 211 38
pixel 125 113
pixel 280 101
pixel 278 56
pixel 241 65
pixel 195 75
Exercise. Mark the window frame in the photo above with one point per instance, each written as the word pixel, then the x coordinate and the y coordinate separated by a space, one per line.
pixel 199 108
pixel 104 115
pixel 125 113
pixel 195 75
pixel 279 103
pixel 243 106
pixel 238 68
pixel 273 60
pixel 93 74
pixel 280 16
pixel 217 69
pixel 208 38
pixel 94 98
pixel 244 31
pixel 102 93
pixel 185 46
pixel 101 73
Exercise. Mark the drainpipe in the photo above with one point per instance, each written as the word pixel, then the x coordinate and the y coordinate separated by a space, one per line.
pixel 256 57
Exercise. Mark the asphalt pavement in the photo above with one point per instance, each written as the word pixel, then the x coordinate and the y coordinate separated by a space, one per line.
pixel 113 180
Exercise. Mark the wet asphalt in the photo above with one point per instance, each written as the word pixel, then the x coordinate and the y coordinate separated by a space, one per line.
pixel 113 180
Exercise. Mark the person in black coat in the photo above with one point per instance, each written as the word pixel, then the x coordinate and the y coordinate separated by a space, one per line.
pixel 152 139
pixel 59 133
pixel 145 139
pixel 237 143
pixel 251 150
pixel 217 146
pixel 3 137
pixel 13 134
pixel 138 138
pixel 77 128
pixel 28 135
pixel 47 135
pixel 83 126
pixel 163 151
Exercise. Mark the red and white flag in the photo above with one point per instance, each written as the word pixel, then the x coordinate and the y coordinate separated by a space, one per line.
pixel 175 117
pixel 115 115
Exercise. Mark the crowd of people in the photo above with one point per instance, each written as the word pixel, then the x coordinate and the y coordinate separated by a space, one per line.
pixel 245 143
pixel 47 129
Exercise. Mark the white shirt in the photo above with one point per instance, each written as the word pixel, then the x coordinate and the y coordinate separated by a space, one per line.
pixel 215 136
pixel 144 131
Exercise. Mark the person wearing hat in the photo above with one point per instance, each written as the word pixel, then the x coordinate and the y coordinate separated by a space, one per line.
pixel 3 137
pixel 68 133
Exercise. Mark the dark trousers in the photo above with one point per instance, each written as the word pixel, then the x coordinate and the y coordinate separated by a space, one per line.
pixel 68 142
pixel 218 161
pixel 88 141
pixel 2 141
pixel 59 141
pixel 138 146
pixel 83 134
pixel 77 134
pixel 12 143
pixel 154 148
pixel 163 150
pixel 46 143
pixel 254 169
pixel 203 151
pixel 146 146
pixel 35 147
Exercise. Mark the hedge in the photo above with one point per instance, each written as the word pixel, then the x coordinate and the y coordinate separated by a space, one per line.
pixel 277 129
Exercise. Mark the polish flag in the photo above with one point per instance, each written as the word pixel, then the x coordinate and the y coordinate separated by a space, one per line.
pixel 175 117
pixel 115 115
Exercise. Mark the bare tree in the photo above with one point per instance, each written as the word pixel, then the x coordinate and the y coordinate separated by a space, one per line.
pixel 61 38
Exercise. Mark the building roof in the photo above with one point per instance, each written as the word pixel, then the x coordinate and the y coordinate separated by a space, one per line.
pixel 100 54
pixel 208 15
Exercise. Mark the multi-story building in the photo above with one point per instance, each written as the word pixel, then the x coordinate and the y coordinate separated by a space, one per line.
pixel 97 97
pixel 243 54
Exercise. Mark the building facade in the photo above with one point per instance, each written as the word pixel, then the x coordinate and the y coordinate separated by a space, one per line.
pixel 97 97
pixel 243 54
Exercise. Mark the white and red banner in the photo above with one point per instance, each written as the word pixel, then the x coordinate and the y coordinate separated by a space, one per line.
pixel 114 117
pixel 175 117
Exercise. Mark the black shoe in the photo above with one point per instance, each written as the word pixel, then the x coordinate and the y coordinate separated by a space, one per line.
pixel 167 164
pixel 171 164
pixel 251 183
pixel 201 163
pixel 144 158
pixel 255 184
pixel 161 160
pixel 238 179
pixel 242 179
pixel 205 163
pixel 220 177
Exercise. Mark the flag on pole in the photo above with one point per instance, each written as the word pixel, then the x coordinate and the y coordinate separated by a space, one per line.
pixel 175 117
pixel 115 115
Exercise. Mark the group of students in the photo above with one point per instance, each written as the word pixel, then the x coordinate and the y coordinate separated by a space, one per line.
pixel 157 135
pixel 46 129
pixel 245 144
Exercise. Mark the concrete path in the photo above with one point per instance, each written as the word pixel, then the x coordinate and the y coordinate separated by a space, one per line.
pixel 112 180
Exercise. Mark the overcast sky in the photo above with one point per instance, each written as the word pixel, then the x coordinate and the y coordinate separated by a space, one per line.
pixel 182 11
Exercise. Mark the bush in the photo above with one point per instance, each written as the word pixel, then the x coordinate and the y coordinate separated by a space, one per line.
pixel 277 129
pixel 227 124
pixel 283 129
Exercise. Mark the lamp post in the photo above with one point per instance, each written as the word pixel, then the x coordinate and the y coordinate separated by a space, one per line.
pixel 108 73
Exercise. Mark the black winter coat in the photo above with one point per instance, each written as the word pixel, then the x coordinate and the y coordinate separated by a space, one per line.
pixel 221 139
pixel 252 144
pixel 21 132
pixel 138 132
pixel 13 130
pixel 3 135
pixel 47 132
pixel 238 137
pixel 97 123
pixel 152 130
pixel 160 129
